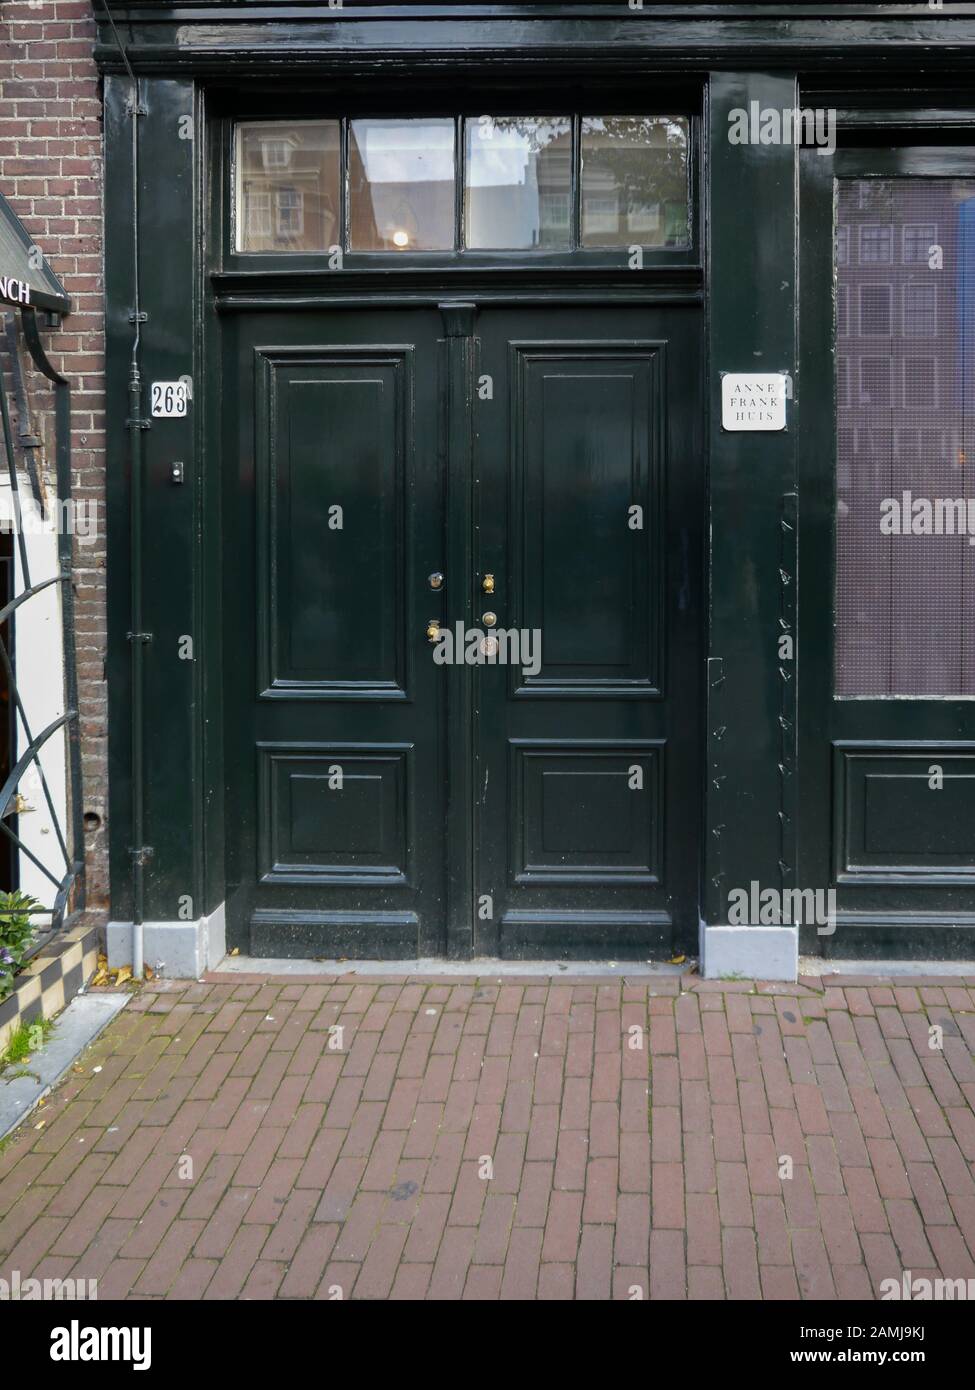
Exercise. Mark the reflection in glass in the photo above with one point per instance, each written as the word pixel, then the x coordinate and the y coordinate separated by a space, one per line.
pixel 401 185
pixel 519 183
pixel 287 183
pixel 634 181
pixel 905 440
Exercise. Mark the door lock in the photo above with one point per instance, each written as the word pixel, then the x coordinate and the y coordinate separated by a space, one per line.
pixel 435 580
pixel 489 619
pixel 433 630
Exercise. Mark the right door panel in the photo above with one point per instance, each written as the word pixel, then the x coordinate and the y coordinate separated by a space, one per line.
pixel 588 505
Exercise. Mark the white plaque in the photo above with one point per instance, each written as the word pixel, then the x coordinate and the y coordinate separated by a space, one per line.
pixel 169 398
pixel 753 402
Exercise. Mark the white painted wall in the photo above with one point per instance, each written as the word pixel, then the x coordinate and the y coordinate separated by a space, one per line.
pixel 40 681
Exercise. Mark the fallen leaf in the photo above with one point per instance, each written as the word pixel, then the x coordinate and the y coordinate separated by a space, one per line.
pixel 677 960
pixel 125 973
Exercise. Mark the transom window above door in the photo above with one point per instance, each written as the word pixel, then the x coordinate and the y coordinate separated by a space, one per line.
pixel 537 184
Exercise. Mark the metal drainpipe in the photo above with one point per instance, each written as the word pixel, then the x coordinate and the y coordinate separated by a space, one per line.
pixel 138 637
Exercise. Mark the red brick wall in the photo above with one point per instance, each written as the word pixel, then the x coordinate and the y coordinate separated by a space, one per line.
pixel 51 172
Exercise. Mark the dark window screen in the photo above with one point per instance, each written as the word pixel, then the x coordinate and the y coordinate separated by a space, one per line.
pixel 905 440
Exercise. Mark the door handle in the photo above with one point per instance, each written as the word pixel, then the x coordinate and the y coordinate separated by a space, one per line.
pixel 433 630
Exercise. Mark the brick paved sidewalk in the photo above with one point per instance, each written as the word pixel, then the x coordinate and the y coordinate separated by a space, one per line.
pixel 637 1133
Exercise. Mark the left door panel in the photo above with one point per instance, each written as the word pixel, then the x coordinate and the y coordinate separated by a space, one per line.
pixel 334 525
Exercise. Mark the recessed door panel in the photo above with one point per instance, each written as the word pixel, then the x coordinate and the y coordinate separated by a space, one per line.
pixel 334 814
pixel 584 488
pixel 334 457
pixel 586 813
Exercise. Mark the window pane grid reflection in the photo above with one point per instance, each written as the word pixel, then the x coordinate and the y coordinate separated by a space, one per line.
pixel 288 186
pixel 548 183
pixel 518 183
pixel 634 181
pixel 905 442
pixel 401 185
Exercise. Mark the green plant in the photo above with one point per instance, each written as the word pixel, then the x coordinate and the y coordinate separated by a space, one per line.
pixel 16 934
pixel 24 1040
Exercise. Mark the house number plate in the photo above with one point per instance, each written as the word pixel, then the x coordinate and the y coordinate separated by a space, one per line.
pixel 753 402
pixel 169 398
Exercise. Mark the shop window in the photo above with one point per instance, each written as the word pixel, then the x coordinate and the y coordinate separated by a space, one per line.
pixel 842 311
pixel 905 573
pixel 842 245
pixel 287 185
pixel 401 185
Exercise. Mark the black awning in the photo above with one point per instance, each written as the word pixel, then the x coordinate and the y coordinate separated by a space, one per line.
pixel 26 279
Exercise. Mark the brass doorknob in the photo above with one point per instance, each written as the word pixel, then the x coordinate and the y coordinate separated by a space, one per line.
pixel 433 630
pixel 489 619
pixel 487 583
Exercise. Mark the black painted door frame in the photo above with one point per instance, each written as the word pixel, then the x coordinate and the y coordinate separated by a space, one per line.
pixel 301 732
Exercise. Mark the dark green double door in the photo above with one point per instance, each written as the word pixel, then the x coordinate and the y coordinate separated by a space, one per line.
pixel 531 787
